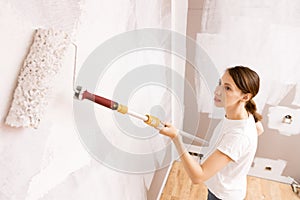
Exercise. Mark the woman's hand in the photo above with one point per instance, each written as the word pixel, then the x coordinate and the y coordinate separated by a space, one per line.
pixel 169 130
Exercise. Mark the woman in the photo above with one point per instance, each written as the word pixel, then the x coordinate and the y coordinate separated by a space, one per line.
pixel 225 169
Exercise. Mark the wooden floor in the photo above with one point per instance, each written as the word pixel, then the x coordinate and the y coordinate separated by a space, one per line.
pixel 180 187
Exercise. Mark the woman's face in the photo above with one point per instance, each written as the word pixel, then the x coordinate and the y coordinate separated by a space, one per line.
pixel 227 93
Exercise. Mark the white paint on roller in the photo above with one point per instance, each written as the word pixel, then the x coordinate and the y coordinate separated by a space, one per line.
pixel 36 76
pixel 269 169
pixel 275 116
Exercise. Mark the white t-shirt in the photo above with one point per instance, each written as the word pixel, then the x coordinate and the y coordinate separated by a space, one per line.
pixel 238 140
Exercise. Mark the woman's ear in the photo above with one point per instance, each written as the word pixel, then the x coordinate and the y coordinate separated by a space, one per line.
pixel 246 97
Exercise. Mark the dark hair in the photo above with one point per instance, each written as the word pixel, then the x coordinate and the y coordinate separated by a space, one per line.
pixel 247 81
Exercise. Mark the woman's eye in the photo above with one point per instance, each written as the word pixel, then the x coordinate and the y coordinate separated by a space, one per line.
pixel 227 88
pixel 219 83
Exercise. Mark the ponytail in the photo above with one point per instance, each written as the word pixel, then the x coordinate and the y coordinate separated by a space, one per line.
pixel 251 107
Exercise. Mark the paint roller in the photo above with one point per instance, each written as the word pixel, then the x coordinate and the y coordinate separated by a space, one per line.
pixel 81 94
pixel 151 120
pixel 36 76
pixel 35 79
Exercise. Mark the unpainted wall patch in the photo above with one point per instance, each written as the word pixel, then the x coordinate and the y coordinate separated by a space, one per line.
pixel 269 169
pixel 276 116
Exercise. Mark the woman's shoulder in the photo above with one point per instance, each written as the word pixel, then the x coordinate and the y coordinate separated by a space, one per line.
pixel 242 127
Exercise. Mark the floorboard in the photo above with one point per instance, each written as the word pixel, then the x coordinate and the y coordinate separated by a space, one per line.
pixel 180 187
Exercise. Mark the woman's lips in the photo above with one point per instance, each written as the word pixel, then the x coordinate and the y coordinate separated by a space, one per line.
pixel 217 100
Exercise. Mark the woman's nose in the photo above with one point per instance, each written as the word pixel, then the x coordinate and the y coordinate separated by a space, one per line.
pixel 218 90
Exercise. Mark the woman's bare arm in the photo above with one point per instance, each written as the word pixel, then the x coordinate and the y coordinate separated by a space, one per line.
pixel 259 128
pixel 198 173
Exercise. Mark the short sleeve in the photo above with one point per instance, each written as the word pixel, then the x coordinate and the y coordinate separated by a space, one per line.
pixel 234 145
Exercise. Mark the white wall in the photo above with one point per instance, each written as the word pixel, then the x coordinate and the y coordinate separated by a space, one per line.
pixel 50 162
